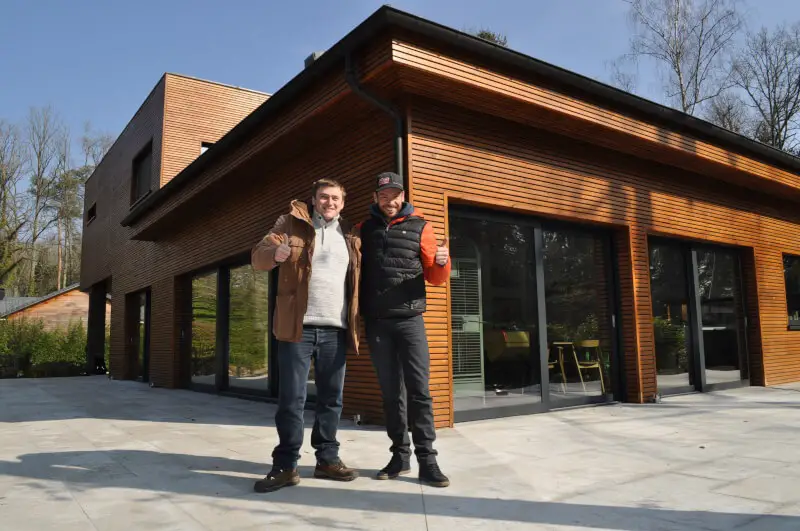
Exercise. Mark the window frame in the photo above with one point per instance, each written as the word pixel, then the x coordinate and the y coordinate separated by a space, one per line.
pixel 222 269
pixel 792 324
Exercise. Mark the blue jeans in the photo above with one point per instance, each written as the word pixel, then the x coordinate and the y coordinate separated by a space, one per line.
pixel 328 348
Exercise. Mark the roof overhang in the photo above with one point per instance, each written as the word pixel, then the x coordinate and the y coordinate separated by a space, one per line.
pixel 388 18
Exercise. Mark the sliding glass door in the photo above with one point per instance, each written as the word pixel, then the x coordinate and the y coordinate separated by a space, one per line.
pixel 494 314
pixel 578 305
pixel 721 316
pixel 230 338
pixel 532 310
pixel 249 336
pixel 204 330
pixel 138 326
pixel 699 316
pixel 669 287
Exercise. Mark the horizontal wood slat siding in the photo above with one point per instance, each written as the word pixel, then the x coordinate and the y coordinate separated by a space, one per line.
pixel 244 214
pixel 108 251
pixel 462 156
pixel 496 84
pixel 198 111
pixel 109 189
pixel 68 308
pixel 316 100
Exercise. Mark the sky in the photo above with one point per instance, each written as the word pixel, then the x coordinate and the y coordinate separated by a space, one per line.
pixel 96 61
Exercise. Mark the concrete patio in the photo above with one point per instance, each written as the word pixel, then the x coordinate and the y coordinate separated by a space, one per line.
pixel 89 453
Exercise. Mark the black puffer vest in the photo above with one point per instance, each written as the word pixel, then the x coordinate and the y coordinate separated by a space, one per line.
pixel 392 280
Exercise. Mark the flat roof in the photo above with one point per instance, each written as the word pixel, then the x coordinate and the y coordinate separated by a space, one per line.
pixel 150 94
pixel 388 17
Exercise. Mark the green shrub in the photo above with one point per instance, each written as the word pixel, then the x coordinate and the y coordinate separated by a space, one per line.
pixel 27 349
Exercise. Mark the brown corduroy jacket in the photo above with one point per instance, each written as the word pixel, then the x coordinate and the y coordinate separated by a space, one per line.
pixel 294 274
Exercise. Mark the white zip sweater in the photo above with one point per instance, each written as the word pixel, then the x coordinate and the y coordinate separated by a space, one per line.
pixel 327 287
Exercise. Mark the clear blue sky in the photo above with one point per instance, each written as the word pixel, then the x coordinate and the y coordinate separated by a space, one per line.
pixel 97 60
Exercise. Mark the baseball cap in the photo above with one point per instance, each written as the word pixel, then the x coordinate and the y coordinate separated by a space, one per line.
pixel 388 179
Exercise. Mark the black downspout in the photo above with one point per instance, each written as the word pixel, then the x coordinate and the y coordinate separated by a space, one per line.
pixel 399 123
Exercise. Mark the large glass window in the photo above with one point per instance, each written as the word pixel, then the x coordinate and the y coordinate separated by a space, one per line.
pixel 699 317
pixel 138 308
pixel 791 272
pixel 721 314
pixel 670 296
pixel 495 291
pixel 494 318
pixel 142 353
pixel 578 313
pixel 249 336
pixel 204 329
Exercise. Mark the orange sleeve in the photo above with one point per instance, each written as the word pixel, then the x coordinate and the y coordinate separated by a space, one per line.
pixel 434 273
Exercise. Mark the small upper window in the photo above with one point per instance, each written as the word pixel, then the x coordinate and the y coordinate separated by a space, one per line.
pixel 204 146
pixel 791 272
pixel 91 213
pixel 142 173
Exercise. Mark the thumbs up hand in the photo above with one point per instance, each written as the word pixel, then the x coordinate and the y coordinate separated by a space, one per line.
pixel 282 252
pixel 442 253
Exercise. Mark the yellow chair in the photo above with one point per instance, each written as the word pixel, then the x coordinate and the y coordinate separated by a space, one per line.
pixel 594 361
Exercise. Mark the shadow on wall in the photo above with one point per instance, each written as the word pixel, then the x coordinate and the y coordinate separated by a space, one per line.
pixel 222 478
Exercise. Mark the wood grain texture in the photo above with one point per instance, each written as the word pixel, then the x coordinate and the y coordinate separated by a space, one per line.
pixel 107 249
pixel 60 311
pixel 462 156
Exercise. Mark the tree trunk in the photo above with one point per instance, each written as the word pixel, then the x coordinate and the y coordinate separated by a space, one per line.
pixel 60 264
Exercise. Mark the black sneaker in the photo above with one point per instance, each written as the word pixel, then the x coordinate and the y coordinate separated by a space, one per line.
pixel 277 479
pixel 397 467
pixel 429 473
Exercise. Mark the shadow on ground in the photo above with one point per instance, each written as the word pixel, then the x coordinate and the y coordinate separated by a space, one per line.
pixel 223 478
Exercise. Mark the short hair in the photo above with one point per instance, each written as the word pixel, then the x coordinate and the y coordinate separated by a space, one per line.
pixel 327 183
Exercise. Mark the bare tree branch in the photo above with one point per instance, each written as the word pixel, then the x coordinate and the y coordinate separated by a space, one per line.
pixel 730 112
pixel 767 70
pixel 688 41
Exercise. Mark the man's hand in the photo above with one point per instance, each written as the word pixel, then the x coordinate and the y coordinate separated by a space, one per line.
pixel 283 251
pixel 442 254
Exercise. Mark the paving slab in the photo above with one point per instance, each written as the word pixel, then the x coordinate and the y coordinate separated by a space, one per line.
pixel 90 453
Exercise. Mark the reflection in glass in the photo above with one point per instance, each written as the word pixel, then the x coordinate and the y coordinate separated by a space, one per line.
pixel 204 328
pixel 791 272
pixel 494 321
pixel 248 329
pixel 720 303
pixel 578 317
pixel 141 345
pixel 670 295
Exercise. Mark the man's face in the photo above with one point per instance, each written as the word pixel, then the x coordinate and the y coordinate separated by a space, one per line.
pixel 390 201
pixel 329 202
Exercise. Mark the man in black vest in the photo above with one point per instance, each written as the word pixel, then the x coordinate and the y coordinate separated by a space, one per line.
pixel 399 253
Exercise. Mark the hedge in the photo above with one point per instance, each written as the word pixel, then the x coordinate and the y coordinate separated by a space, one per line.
pixel 27 349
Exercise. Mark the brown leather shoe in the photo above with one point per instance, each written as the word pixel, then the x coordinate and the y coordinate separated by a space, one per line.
pixel 277 479
pixel 337 471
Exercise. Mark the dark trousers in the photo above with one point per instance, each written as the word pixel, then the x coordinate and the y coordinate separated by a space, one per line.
pixel 328 348
pixel 399 350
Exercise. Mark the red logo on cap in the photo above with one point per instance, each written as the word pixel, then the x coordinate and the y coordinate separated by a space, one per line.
pixel 384 180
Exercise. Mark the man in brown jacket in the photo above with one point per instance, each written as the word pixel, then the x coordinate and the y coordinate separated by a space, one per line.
pixel 316 316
